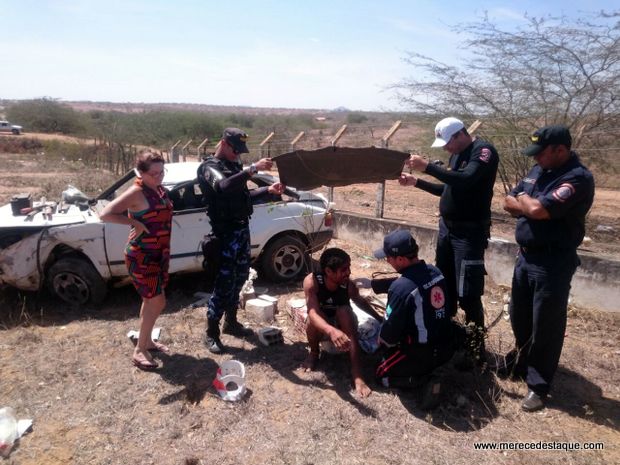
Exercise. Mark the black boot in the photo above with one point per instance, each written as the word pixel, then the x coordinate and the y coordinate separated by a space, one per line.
pixel 233 327
pixel 212 337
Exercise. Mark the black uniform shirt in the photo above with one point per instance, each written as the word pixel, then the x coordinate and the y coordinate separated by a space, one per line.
pixel 416 310
pixel 468 185
pixel 224 187
pixel 567 194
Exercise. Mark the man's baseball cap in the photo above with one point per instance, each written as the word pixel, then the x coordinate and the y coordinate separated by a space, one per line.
pixel 398 243
pixel 236 138
pixel 549 135
pixel 445 129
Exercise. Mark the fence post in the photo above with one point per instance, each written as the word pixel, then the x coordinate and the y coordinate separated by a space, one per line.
pixel 174 155
pixel 184 150
pixel 267 141
pixel 385 142
pixel 296 139
pixel 474 126
pixel 204 151
pixel 334 141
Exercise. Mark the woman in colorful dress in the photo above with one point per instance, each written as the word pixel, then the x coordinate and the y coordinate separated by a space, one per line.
pixel 145 207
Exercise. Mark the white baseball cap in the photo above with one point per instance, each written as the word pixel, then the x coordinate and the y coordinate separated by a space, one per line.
pixel 445 129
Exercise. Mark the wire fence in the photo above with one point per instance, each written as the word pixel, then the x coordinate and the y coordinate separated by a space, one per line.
pixel 410 137
pixel 597 148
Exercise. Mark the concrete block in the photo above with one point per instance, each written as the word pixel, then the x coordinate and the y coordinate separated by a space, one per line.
pixel 271 299
pixel 263 310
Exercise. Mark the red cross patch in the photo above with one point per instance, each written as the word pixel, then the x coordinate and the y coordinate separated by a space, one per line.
pixel 485 155
pixel 564 192
pixel 438 299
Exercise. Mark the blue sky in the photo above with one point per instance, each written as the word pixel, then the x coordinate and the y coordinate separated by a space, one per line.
pixel 312 54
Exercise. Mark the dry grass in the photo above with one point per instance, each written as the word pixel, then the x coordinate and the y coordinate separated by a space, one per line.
pixel 42 175
pixel 70 372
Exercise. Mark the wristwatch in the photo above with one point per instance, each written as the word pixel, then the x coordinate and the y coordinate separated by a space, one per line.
pixel 253 169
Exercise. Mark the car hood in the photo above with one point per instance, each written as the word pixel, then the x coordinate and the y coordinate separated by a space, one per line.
pixel 37 220
pixel 73 208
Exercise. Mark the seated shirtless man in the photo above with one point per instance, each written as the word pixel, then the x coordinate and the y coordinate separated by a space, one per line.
pixel 328 293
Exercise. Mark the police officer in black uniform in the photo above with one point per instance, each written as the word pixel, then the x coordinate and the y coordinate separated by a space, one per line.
pixel 417 333
pixel 223 181
pixel 550 205
pixel 465 208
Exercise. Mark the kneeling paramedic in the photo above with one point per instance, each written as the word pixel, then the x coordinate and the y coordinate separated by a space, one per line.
pixel 417 334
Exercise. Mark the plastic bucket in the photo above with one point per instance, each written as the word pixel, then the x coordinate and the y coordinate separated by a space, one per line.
pixel 229 381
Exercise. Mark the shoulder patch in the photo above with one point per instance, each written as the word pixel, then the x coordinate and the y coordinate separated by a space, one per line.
pixel 485 155
pixel 438 299
pixel 563 192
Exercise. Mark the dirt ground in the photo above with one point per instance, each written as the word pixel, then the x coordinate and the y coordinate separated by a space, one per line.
pixel 69 370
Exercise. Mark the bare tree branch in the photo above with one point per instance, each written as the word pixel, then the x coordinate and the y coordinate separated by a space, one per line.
pixel 552 70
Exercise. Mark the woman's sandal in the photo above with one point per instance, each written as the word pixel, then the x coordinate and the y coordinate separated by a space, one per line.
pixel 159 347
pixel 145 365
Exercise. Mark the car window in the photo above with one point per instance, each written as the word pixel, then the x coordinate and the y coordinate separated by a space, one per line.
pixel 124 187
pixel 186 196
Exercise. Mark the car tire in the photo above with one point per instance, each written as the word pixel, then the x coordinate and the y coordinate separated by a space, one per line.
pixel 76 281
pixel 284 259
pixel 15 132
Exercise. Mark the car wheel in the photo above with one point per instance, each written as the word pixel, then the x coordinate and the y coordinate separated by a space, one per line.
pixel 15 131
pixel 76 281
pixel 284 259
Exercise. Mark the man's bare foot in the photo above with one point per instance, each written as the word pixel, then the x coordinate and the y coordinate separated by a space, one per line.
pixel 311 361
pixel 361 388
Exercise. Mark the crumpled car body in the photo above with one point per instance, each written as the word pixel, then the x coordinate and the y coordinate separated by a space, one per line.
pixel 67 248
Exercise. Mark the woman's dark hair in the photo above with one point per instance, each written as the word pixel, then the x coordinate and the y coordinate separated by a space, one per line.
pixel 146 158
pixel 334 258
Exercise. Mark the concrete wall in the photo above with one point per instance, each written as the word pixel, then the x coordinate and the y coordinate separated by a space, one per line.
pixel 596 283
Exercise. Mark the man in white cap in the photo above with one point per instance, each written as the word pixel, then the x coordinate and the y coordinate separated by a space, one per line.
pixel 465 208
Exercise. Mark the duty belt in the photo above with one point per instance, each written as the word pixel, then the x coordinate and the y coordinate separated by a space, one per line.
pixel 455 224
pixel 542 249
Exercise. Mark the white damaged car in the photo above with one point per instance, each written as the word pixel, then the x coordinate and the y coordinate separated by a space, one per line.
pixel 65 246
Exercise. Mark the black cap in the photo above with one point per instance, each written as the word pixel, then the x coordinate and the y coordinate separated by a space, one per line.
pixel 399 243
pixel 236 138
pixel 549 135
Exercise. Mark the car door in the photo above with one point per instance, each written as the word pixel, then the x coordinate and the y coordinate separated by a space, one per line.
pixel 189 227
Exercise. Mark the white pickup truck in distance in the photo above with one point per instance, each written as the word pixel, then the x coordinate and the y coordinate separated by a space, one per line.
pixel 5 126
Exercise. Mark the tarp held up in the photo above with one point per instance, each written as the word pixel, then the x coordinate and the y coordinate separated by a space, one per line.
pixel 339 166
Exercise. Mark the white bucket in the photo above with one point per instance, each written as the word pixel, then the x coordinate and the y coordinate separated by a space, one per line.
pixel 230 380
pixel 8 430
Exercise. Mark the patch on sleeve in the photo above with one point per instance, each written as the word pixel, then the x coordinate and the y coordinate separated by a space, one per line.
pixel 563 192
pixel 438 299
pixel 485 155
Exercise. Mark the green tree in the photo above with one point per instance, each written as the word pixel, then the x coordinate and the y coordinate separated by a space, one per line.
pixel 356 118
pixel 46 115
